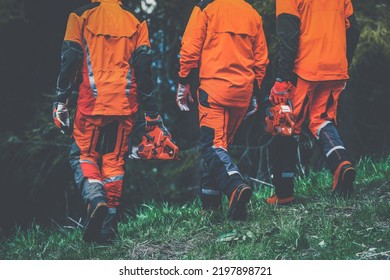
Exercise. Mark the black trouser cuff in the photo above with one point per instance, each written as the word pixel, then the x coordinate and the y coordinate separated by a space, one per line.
pixel 284 187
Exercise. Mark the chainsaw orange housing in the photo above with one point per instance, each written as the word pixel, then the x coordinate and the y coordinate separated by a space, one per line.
pixel 157 144
pixel 280 120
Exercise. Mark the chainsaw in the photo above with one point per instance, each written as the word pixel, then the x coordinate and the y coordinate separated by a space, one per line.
pixel 280 120
pixel 155 144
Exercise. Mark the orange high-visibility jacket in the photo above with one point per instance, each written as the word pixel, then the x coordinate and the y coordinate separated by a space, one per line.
pixel 225 40
pixel 102 36
pixel 321 28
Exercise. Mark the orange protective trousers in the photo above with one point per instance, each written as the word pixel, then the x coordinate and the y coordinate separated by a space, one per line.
pixel 223 120
pixel 218 124
pixel 316 100
pixel 102 142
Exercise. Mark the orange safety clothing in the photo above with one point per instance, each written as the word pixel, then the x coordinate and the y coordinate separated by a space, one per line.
pixel 110 48
pixel 322 49
pixel 317 42
pixel 105 138
pixel 316 100
pixel 104 36
pixel 225 40
pixel 223 121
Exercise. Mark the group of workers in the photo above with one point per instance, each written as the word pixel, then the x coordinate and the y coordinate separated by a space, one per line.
pixel 107 47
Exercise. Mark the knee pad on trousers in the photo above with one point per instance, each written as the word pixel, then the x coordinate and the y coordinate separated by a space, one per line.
pixel 74 160
pixel 224 171
pixel 89 188
pixel 92 189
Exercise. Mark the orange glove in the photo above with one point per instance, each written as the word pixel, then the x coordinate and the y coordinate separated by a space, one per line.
pixel 280 92
pixel 154 119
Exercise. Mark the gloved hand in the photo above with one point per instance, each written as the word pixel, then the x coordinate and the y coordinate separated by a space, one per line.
pixel 253 106
pixel 61 117
pixel 183 97
pixel 280 92
pixel 152 120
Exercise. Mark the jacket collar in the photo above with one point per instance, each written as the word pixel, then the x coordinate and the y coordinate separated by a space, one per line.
pixel 108 1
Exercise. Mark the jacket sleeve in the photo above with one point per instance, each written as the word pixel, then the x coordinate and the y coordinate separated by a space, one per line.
pixel 261 55
pixel 71 57
pixel 353 30
pixel 141 62
pixel 192 43
pixel 288 31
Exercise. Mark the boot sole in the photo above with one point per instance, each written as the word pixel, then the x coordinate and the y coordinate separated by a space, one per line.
pixel 94 225
pixel 237 211
pixel 345 187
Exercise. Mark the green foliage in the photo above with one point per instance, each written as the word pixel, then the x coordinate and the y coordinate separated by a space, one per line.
pixel 11 10
pixel 373 17
pixel 319 226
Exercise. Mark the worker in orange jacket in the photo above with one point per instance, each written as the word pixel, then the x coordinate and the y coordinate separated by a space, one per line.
pixel 224 40
pixel 317 42
pixel 109 48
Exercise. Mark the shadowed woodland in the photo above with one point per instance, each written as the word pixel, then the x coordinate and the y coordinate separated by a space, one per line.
pixel 36 181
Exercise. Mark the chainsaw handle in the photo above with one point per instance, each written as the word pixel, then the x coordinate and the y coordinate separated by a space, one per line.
pixel 289 120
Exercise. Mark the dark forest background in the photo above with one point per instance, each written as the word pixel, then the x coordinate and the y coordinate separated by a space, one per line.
pixel 35 177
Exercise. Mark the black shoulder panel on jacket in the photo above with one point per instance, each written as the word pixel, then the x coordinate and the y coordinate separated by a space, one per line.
pixel 85 8
pixel 288 32
pixel 353 34
pixel 138 16
pixel 203 4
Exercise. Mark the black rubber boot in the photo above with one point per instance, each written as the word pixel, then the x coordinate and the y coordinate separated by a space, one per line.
pixel 238 201
pixel 338 160
pixel 210 196
pixel 96 212
pixel 283 157
pixel 109 227
pixel 211 199
pixel 343 180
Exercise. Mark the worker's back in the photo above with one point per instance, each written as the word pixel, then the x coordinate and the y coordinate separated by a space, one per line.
pixel 227 56
pixel 322 52
pixel 109 35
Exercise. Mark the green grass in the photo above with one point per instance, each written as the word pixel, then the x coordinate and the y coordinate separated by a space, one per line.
pixel 318 226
